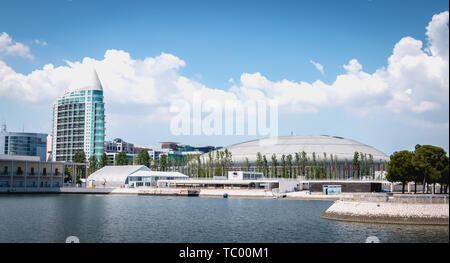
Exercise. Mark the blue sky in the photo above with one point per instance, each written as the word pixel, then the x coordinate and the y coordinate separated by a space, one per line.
pixel 219 40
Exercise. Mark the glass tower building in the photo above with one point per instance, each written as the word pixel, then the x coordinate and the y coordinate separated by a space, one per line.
pixel 23 143
pixel 79 122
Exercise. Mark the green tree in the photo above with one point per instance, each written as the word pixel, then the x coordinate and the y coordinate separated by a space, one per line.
pixel 80 157
pixel 274 165
pixel 346 168
pixel 289 165
pixel 283 165
pixel 121 159
pixel 259 161
pixel 247 164
pixel 336 168
pixel 430 161
pixel 444 177
pixel 304 161
pixel 210 163
pixel 104 160
pixel 228 160
pixel 355 164
pixel 314 165
pixel 372 174
pixel 163 162
pixel 401 168
pixel 297 165
pixel 93 164
pixel 67 174
pixel 265 165
pixel 143 158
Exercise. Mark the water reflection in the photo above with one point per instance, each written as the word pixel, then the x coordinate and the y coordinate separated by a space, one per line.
pixel 100 218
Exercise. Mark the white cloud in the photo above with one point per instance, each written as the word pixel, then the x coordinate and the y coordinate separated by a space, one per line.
pixel 318 66
pixel 40 42
pixel 12 48
pixel 414 82
pixel 437 33
pixel 425 106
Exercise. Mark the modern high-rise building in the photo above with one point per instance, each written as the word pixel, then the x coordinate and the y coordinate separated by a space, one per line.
pixel 79 121
pixel 23 143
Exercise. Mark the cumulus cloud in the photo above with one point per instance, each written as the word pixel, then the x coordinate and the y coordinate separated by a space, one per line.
pixel 318 66
pixel 12 48
pixel 415 81
pixel 437 33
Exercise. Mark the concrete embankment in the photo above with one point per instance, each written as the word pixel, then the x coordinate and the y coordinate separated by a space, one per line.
pixel 235 192
pixel 57 190
pixel 113 191
pixel 391 213
pixel 169 191
pixel 305 195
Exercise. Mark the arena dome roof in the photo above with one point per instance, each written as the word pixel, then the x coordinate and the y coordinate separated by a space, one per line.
pixel 343 148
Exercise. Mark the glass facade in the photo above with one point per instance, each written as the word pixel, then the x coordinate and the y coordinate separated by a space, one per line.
pixel 79 124
pixel 19 143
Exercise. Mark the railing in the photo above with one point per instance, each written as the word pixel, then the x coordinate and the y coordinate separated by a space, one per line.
pixel 400 199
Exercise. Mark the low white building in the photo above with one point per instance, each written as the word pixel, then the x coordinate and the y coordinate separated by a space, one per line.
pixel 245 175
pixel 151 178
pixel 130 176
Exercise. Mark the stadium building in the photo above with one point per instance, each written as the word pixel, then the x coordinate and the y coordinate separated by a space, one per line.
pixel 326 157
pixel 318 144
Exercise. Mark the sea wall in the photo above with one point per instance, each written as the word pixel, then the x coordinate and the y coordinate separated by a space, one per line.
pixel 235 192
pixel 391 213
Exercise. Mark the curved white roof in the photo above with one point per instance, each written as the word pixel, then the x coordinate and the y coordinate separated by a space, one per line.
pixel 343 148
pixel 159 174
pixel 116 175
pixel 86 79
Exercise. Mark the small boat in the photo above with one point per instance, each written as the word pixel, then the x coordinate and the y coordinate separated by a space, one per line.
pixel 225 195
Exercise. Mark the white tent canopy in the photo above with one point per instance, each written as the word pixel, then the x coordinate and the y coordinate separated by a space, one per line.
pixel 115 176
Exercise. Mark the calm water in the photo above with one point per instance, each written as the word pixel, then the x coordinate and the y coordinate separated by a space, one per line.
pixel 100 218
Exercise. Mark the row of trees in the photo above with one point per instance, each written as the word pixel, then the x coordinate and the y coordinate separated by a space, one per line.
pixel 328 167
pixel 219 162
pixel 426 165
